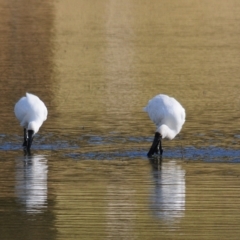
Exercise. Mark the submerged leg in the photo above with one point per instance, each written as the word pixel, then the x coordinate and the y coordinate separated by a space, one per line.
pixel 24 137
pixel 154 147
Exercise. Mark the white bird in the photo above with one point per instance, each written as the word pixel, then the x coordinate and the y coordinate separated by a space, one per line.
pixel 31 113
pixel 168 115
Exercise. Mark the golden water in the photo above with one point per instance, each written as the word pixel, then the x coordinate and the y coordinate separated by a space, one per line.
pixel 96 64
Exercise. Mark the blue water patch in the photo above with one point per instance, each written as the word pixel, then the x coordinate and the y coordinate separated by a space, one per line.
pixel 212 153
pixel 107 155
pixel 208 154
pixel 9 146
pixel 97 140
pixel 73 147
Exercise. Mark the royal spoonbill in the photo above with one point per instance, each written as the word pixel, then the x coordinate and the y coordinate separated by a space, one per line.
pixel 31 113
pixel 168 115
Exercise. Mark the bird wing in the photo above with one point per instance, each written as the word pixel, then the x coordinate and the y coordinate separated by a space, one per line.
pixel 155 110
pixel 37 106
pixel 166 110
pixel 21 109
pixel 30 108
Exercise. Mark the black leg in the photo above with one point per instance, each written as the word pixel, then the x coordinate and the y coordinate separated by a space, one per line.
pixel 154 147
pixel 160 146
pixel 25 138
pixel 30 139
pixel 156 150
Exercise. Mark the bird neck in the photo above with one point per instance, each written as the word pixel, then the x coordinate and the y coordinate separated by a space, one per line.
pixel 166 132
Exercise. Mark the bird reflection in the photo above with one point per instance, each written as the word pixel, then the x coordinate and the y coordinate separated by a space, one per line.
pixel 31 182
pixel 168 199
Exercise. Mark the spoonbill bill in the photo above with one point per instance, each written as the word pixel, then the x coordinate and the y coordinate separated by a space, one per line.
pixel 31 113
pixel 168 115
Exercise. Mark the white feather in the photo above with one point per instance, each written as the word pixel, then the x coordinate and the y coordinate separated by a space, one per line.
pixel 31 112
pixel 167 114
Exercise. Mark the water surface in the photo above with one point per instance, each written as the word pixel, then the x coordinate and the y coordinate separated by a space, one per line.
pixel 96 65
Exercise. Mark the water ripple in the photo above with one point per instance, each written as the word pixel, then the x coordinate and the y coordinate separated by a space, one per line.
pixel 209 154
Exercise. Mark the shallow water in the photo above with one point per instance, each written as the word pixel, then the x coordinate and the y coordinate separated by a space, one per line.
pixel 96 65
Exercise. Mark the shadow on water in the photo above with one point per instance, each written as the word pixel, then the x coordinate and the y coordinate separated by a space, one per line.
pixel 31 182
pixel 168 197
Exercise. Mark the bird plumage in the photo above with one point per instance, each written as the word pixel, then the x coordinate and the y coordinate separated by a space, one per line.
pixel 30 108
pixel 167 114
pixel 31 113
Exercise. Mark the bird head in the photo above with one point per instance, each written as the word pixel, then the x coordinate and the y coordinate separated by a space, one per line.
pixel 34 126
pixel 166 132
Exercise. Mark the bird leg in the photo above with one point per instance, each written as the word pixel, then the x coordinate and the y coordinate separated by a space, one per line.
pixel 154 147
pixel 30 139
pixel 157 150
pixel 160 146
pixel 25 138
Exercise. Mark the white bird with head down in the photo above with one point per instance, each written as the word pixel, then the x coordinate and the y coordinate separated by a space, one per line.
pixel 168 115
pixel 31 113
